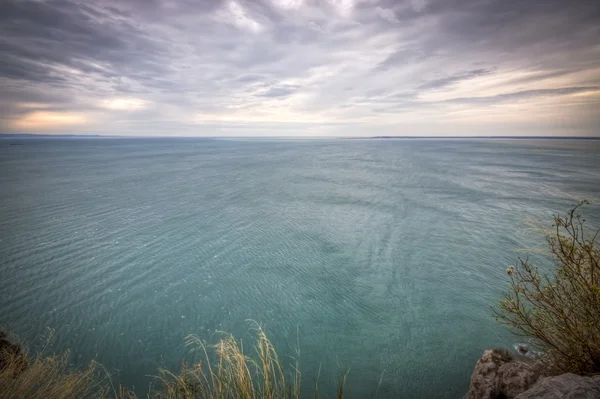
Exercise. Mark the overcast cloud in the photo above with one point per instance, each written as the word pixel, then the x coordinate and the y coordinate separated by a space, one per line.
pixel 300 67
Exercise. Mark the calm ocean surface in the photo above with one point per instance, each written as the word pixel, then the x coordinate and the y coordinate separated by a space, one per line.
pixel 385 255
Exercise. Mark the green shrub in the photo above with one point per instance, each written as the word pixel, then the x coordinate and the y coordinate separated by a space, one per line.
pixel 560 311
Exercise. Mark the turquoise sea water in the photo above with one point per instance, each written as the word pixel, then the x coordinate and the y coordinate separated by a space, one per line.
pixel 376 255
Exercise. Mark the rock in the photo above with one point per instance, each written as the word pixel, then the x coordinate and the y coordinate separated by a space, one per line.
pixel 565 386
pixel 497 375
pixel 514 378
pixel 526 351
pixel 523 349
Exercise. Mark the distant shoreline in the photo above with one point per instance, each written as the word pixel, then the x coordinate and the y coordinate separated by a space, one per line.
pixel 473 137
pixel 97 136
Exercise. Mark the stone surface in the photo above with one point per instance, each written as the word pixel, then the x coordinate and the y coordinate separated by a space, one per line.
pixel 497 375
pixel 514 378
pixel 565 386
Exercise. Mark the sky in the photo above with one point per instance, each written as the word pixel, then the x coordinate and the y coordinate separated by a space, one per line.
pixel 300 67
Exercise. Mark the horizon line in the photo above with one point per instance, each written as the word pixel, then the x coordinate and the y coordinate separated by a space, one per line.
pixel 42 135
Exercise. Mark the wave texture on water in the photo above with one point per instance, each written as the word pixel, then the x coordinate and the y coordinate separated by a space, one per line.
pixel 385 255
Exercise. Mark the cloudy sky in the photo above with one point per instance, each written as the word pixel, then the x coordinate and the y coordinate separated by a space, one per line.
pixel 300 67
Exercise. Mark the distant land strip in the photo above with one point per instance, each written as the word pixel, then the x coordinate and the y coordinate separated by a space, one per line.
pixel 83 136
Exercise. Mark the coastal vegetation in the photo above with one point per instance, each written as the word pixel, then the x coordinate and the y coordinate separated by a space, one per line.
pixel 224 371
pixel 45 375
pixel 560 309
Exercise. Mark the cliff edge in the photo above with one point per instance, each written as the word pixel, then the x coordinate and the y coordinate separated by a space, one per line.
pixel 497 375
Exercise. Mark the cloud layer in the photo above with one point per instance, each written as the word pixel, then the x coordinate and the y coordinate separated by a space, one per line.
pixel 300 67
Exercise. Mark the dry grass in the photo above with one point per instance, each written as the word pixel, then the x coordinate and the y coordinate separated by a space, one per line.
pixel 232 373
pixel 44 377
pixel 225 372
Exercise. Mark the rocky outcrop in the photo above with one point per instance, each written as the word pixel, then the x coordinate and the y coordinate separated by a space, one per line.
pixel 565 386
pixel 497 375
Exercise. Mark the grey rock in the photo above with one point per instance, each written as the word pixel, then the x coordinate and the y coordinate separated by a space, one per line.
pixel 565 386
pixel 515 377
pixel 497 375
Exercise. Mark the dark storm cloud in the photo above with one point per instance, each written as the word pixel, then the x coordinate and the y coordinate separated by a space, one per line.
pixel 538 26
pixel 39 37
pixel 187 62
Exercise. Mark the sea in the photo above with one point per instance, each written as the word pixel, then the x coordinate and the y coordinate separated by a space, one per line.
pixel 378 259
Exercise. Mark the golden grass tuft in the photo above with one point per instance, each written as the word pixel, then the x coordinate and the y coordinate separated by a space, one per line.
pixel 46 377
pixel 232 373
pixel 225 372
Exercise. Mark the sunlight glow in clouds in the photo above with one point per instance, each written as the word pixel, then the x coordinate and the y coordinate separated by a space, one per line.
pixel 299 67
pixel 124 104
pixel 49 120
